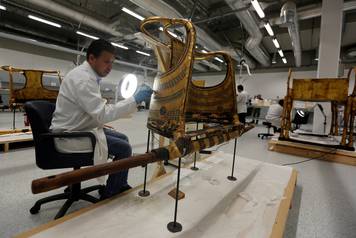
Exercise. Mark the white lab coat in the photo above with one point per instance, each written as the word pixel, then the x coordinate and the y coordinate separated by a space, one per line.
pixel 274 115
pixel 80 107
pixel 242 99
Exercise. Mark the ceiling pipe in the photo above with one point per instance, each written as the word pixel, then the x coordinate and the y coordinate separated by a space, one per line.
pixel 289 18
pixel 253 43
pixel 87 20
pixel 161 8
pixel 312 12
pixel 75 15
pixel 64 49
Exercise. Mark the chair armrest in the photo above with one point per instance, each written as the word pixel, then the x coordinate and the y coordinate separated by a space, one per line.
pixel 72 134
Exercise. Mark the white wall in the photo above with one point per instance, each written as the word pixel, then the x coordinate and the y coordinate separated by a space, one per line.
pixel 17 54
pixel 269 85
pixel 24 55
pixel 26 60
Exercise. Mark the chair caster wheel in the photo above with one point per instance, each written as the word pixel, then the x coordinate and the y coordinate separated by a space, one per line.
pixel 34 210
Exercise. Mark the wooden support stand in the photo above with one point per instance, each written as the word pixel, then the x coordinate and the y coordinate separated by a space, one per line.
pixel 284 207
pixel 24 130
pixel 159 170
pixel 313 151
pixel 6 140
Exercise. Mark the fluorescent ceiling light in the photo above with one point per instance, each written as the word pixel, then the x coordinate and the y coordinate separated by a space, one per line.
pixel 2 8
pixel 173 34
pixel 143 53
pixel 276 44
pixel 87 35
pixel 274 61
pixel 301 113
pixel 128 86
pixel 169 32
pixel 280 52
pixel 44 21
pixel 120 46
pixel 269 29
pixel 258 8
pixel 218 59
pixel 284 60
pixel 134 14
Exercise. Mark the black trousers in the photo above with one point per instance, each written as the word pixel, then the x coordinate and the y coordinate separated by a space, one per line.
pixel 242 117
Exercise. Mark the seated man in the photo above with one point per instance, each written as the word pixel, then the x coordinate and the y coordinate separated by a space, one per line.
pixel 274 114
pixel 80 107
pixel 256 111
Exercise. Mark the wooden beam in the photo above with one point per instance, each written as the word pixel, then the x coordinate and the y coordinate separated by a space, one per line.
pixel 313 151
pixel 285 205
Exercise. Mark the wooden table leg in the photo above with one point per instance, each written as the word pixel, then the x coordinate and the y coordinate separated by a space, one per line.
pixel 6 147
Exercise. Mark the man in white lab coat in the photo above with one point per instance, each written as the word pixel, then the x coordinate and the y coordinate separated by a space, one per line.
pixel 80 107
pixel 242 100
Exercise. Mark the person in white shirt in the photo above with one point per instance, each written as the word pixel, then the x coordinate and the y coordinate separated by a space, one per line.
pixel 80 107
pixel 242 100
pixel 274 114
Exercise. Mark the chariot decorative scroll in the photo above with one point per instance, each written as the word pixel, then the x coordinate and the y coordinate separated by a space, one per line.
pixel 33 85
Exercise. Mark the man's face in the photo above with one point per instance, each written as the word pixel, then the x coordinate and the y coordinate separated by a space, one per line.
pixel 102 65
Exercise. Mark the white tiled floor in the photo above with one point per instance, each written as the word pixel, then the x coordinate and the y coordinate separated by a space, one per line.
pixel 324 203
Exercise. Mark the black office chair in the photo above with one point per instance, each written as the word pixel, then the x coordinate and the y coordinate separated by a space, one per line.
pixel 266 135
pixel 47 157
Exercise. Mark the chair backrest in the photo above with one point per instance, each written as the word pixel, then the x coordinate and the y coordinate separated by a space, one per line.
pixel 40 114
pixel 33 88
pixel 176 99
pixel 320 89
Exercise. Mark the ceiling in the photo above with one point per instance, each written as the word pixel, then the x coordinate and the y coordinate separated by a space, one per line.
pixel 214 16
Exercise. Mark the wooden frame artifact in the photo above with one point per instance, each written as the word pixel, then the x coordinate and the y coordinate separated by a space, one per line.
pixel 334 90
pixel 177 100
pixel 33 89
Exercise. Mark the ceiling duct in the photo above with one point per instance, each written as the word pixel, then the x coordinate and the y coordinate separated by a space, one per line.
pixel 75 15
pixel 88 21
pixel 253 43
pixel 312 12
pixel 67 50
pixel 289 18
pixel 161 8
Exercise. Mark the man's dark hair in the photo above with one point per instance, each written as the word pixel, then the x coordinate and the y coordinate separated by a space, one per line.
pixel 98 46
pixel 240 87
pixel 281 102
